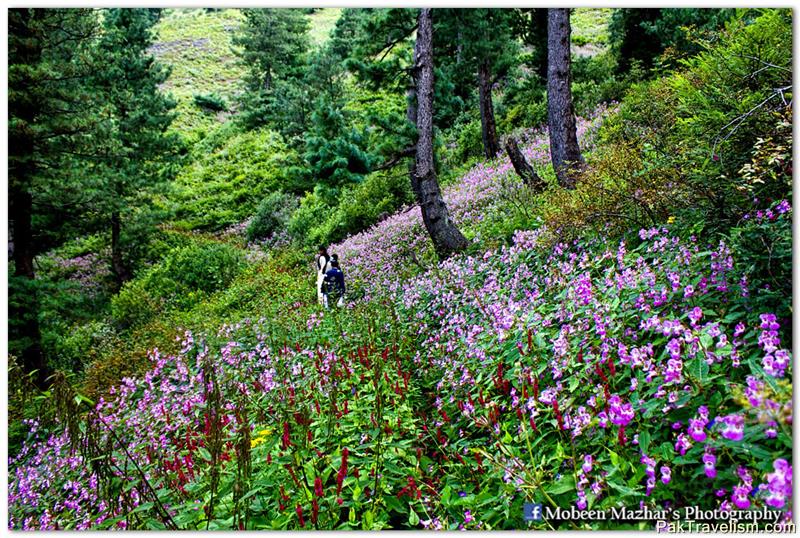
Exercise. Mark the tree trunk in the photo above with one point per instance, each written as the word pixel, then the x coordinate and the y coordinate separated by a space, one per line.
pixel 521 165
pixel 538 18
pixel 488 130
pixel 446 238
pixel 121 274
pixel 564 150
pixel 23 308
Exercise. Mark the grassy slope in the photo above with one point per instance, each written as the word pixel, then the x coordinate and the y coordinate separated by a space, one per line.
pixel 197 45
pixel 590 30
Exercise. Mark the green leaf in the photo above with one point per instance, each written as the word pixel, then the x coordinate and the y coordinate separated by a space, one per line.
pixel 644 441
pixel 614 458
pixel 625 490
pixel 369 519
pixel 205 453
pixel 698 368
pixel 445 495
pixel 706 341
pixel 413 518
pixel 567 483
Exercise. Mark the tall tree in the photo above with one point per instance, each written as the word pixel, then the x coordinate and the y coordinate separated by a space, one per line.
pixel 143 154
pixel 479 51
pixel 641 35
pixel 274 43
pixel 530 25
pixel 564 150
pixel 53 122
pixel 446 238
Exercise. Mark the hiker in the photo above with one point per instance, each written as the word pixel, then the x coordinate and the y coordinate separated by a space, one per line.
pixel 334 287
pixel 323 265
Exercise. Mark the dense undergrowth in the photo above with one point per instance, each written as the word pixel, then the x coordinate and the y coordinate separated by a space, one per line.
pixel 587 373
pixel 595 374
pixel 623 344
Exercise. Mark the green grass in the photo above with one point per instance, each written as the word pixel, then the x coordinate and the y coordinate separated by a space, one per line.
pixel 322 22
pixel 196 44
pixel 590 27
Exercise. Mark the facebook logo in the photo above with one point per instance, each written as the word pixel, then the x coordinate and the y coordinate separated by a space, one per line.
pixel 532 512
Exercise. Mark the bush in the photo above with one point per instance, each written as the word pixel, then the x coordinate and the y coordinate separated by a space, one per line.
pixel 272 215
pixel 705 121
pixel 312 211
pixel 81 345
pixel 134 305
pixel 231 176
pixel 524 105
pixel 210 102
pixel 595 81
pixel 205 267
pixel 623 187
pixel 355 209
pixel 179 282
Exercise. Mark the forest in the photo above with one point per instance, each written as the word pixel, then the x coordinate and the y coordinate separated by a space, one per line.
pixel 566 238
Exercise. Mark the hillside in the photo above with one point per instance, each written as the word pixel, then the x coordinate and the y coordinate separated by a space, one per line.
pixel 196 44
pixel 615 331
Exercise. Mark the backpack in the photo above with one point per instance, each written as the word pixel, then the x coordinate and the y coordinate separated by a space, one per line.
pixel 331 286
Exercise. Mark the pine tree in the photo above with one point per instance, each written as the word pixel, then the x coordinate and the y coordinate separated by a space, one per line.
pixel 446 237
pixel 564 149
pixel 335 151
pixel 479 50
pixel 53 123
pixel 144 153
pixel 274 43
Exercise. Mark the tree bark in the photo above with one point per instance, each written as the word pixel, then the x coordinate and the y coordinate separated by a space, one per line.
pixel 121 274
pixel 446 238
pixel 521 165
pixel 488 129
pixel 24 308
pixel 564 150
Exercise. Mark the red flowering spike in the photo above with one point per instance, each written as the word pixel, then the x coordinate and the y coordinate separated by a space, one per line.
pixel 314 511
pixel 318 487
pixel 286 440
pixel 299 511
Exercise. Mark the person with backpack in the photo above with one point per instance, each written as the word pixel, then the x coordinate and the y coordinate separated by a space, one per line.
pixel 334 285
pixel 323 263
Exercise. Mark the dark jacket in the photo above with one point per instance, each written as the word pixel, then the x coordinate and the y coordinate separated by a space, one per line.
pixel 334 281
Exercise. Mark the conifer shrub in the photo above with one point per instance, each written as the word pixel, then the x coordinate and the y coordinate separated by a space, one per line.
pixel 271 216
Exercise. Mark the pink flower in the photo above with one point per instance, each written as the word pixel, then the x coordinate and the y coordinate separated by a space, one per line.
pixel 739 497
pixel 666 474
pixel 732 427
